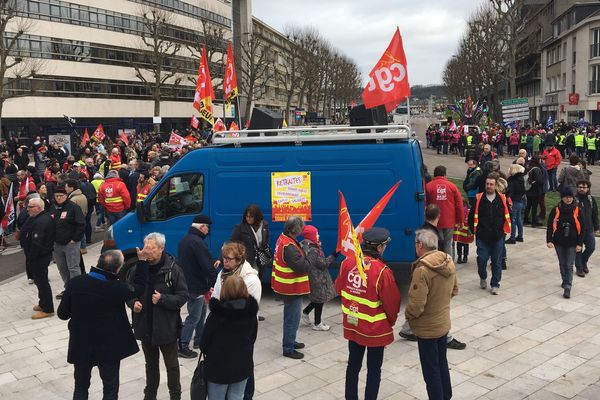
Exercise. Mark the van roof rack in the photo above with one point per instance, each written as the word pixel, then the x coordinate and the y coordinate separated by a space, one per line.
pixel 301 134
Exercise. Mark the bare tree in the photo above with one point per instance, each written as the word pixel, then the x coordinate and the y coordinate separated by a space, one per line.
pixel 16 67
pixel 213 39
pixel 161 74
pixel 256 69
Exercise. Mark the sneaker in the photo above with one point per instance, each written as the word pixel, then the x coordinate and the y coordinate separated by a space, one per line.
pixel 586 269
pixel 456 345
pixel 567 293
pixel 408 336
pixel 261 318
pixel 298 345
pixel 296 355
pixel 305 319
pixel 30 281
pixel 482 284
pixel 37 308
pixel 519 239
pixel 495 290
pixel 41 314
pixel 60 295
pixel 580 273
pixel 320 327
pixel 185 352
pixel 511 241
pixel 83 251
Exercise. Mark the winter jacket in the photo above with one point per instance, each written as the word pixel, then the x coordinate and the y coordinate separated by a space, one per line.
pixel 69 222
pixel 114 188
pixel 250 277
pixel 158 323
pixel 566 233
pixel 516 187
pixel 552 158
pixel 99 328
pixel 321 285
pixel 590 212
pixel 244 233
pixel 569 176
pixel 228 340
pixel 471 182
pixel 193 256
pixel 38 237
pixel 432 285
pixel 444 193
pixel 536 178
pixel 78 198
pixel 491 219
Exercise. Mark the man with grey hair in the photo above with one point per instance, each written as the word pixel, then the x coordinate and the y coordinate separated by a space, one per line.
pixel 100 334
pixel 432 285
pixel 290 280
pixel 160 292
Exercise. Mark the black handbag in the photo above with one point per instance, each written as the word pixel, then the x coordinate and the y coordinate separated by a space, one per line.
pixel 199 385
pixel 264 258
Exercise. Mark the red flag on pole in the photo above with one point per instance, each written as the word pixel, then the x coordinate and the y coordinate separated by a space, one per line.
pixel 9 213
pixel 86 138
pixel 234 126
pixel 176 139
pixel 369 220
pixel 230 88
pixel 99 133
pixel 347 242
pixel 219 126
pixel 204 95
pixel 194 123
pixel 388 84
pixel 124 137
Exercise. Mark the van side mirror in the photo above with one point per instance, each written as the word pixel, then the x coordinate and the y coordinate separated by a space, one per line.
pixel 139 212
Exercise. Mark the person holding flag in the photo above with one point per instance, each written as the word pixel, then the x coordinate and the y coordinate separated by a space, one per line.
pixel 370 306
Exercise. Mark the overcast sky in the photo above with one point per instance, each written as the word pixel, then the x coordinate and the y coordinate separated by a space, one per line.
pixel 362 29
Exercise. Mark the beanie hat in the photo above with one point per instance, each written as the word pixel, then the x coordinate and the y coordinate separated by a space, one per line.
pixel 566 192
pixel 98 175
pixel 310 233
pixel 112 174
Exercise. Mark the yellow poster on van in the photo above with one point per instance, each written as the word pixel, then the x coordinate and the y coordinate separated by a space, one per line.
pixel 290 195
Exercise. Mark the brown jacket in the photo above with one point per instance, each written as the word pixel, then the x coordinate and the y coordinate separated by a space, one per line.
pixel 78 198
pixel 432 286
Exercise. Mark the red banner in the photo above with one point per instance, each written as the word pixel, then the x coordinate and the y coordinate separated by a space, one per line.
pixel 195 123
pixel 204 95
pixel 99 133
pixel 369 220
pixel 124 138
pixel 230 87
pixel 9 212
pixel 219 126
pixel 176 139
pixel 388 84
pixel 347 242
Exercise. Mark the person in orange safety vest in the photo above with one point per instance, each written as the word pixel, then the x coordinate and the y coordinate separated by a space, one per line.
pixel 290 279
pixel 114 197
pixel 369 311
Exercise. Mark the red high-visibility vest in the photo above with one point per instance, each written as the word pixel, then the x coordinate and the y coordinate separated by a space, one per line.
pixel 506 227
pixel 283 279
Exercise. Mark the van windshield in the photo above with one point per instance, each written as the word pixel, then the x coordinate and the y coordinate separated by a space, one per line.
pixel 178 195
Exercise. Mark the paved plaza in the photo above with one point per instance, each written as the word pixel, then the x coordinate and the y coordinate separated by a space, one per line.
pixel 526 343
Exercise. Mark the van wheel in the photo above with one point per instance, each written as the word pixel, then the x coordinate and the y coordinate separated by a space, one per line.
pixel 128 269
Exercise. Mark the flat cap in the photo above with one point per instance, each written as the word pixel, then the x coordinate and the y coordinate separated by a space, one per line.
pixel 60 189
pixel 376 236
pixel 202 219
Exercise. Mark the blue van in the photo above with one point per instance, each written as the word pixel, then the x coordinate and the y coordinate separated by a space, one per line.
pixel 221 180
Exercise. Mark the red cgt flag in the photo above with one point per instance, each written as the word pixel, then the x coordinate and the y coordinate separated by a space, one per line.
pixel 124 138
pixel 99 133
pixel 195 123
pixel 86 138
pixel 230 88
pixel 369 220
pixel 219 126
pixel 388 84
pixel 204 95
pixel 234 126
pixel 347 242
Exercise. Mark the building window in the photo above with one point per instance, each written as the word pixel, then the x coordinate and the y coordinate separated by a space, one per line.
pixel 573 77
pixel 595 46
pixel 574 51
pixel 595 79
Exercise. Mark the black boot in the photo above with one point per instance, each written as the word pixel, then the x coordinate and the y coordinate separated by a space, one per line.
pixel 464 260
pixel 504 264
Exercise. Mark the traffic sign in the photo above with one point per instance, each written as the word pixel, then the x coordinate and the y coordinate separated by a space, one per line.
pixel 515 109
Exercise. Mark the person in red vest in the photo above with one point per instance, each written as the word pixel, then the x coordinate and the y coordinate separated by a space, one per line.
pixel 290 279
pixel 369 311
pixel 115 158
pixel 114 197
pixel 565 234
pixel 489 220
pixel 446 196
pixel 26 185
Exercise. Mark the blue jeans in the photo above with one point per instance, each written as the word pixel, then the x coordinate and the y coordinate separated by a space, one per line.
pixel 292 307
pixel 232 391
pixel 552 182
pixel 493 251
pixel 193 322
pixel 374 362
pixel 589 244
pixel 566 259
pixel 516 220
pixel 114 217
pixel 434 364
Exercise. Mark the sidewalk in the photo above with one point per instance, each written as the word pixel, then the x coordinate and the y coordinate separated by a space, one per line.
pixel 527 342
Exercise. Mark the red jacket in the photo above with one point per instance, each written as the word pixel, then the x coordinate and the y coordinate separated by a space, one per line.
pixel 444 193
pixel 114 196
pixel 552 158
pixel 26 186
pixel 369 312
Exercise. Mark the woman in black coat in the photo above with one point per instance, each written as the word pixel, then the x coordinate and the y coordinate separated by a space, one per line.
pixel 228 340
pixel 253 232
pixel 516 192
pixel 535 181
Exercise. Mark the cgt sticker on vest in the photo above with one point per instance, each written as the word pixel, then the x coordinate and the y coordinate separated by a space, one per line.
pixel 441 193
pixel 352 318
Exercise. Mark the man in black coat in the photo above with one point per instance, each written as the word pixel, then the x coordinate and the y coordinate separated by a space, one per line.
pixel 160 292
pixel 197 265
pixel 590 216
pixel 100 334
pixel 38 242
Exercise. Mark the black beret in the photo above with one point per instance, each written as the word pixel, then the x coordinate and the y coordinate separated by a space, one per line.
pixel 376 236
pixel 202 219
pixel 60 189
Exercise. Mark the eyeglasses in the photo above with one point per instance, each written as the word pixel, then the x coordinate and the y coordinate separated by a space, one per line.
pixel 582 187
pixel 229 258
pixel 31 206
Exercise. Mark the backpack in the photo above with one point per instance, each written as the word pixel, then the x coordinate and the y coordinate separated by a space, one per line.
pixel 89 192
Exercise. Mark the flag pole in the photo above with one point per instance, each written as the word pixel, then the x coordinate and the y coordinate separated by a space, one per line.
pixel 239 112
